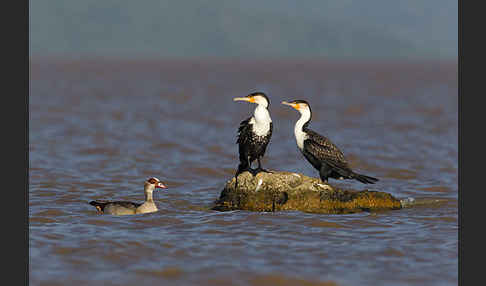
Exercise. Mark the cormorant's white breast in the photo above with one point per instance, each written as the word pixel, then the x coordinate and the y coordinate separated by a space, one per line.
pixel 261 121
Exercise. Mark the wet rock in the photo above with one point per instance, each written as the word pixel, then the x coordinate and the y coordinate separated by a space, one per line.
pixel 279 191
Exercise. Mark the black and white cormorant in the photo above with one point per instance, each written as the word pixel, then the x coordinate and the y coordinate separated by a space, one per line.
pixel 254 134
pixel 320 151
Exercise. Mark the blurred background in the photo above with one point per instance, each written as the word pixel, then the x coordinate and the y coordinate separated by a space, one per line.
pixel 273 28
pixel 121 91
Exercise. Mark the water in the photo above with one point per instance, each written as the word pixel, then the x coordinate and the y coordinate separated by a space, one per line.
pixel 98 129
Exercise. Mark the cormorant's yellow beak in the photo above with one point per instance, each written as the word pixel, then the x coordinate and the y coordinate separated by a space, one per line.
pixel 249 99
pixel 294 105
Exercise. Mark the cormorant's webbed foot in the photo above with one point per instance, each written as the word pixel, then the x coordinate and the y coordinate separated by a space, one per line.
pixel 260 169
pixel 250 170
pixel 253 172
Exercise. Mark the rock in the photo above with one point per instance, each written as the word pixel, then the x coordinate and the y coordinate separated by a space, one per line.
pixel 279 191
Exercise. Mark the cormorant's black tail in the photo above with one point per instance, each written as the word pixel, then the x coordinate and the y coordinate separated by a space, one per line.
pixel 364 179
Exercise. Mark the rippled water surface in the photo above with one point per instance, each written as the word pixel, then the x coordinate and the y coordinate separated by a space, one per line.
pixel 99 128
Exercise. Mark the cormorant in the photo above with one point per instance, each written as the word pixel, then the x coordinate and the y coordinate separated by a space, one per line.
pixel 128 208
pixel 320 151
pixel 254 134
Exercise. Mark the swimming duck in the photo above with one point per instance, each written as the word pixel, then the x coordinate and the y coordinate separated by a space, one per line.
pixel 129 208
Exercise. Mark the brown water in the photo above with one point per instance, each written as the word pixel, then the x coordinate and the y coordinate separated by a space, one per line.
pixel 98 129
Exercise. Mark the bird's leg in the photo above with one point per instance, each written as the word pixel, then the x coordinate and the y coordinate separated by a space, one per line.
pixel 253 172
pixel 324 173
pixel 260 169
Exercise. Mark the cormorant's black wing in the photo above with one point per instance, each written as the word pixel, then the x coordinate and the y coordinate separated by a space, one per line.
pixel 244 131
pixel 324 150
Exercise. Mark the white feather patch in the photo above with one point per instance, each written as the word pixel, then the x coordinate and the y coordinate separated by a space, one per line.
pixel 259 185
pixel 261 121
pixel 300 135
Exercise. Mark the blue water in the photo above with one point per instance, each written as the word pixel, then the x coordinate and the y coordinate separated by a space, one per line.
pixel 98 129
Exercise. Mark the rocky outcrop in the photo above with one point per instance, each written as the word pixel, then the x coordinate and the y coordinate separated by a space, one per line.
pixel 279 191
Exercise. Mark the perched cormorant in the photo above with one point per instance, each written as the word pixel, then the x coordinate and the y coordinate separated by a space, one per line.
pixel 128 208
pixel 254 134
pixel 320 151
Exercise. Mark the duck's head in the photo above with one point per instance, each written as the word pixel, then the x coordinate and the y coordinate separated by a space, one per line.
pixel 153 183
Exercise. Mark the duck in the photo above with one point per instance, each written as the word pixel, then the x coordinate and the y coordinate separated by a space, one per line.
pixel 131 208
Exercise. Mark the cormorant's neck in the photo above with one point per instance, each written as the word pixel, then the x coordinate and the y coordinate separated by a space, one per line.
pixel 304 120
pixel 261 121
pixel 261 114
pixel 300 126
